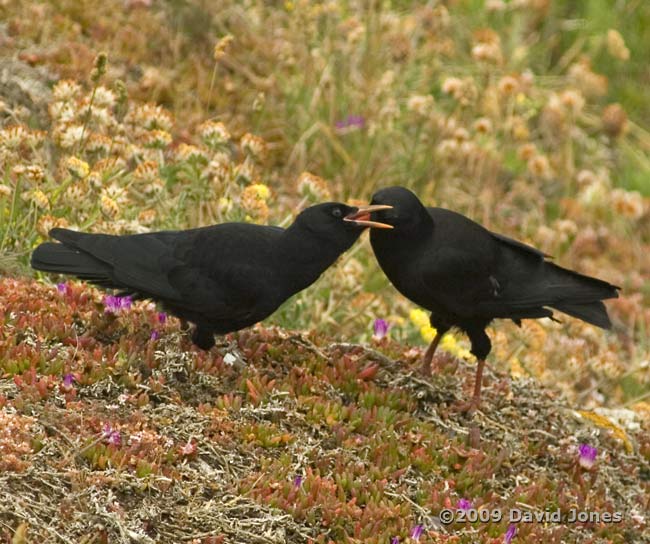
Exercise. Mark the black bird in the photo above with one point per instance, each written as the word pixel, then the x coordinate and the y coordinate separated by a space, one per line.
pixel 466 276
pixel 223 277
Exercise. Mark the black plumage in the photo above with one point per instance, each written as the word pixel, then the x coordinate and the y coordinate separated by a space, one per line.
pixel 466 276
pixel 222 278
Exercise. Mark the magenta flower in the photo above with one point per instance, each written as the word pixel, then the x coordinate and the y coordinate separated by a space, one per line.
pixel 68 380
pixel 162 318
pixel 587 456
pixel 417 532
pixel 154 335
pixel 115 304
pixel 380 328
pixel 112 437
pixel 464 504
pixel 510 533
pixel 62 288
pixel 297 481
pixel 350 123
pixel 394 540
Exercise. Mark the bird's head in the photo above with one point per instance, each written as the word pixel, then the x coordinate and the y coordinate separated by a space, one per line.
pixel 404 211
pixel 337 221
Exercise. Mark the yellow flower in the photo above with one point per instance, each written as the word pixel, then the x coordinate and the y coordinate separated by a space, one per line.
pixel 260 190
pixel 38 197
pixel 428 333
pixel 450 344
pixel 419 317
pixel 77 168
pixel 516 370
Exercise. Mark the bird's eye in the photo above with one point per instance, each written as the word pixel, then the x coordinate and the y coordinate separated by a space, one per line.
pixel 336 212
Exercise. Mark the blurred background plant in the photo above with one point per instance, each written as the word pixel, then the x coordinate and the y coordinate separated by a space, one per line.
pixel 526 115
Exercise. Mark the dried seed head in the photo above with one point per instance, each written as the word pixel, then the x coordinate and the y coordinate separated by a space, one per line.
pixel 70 136
pixel 313 187
pixel 614 120
pixel 66 90
pixel 483 125
pixel 573 101
pixel 32 173
pixel 104 98
pixel 420 104
pixel 98 143
pixel 214 133
pixel 254 145
pixel 525 152
pixel 108 206
pixel 628 203
pixel 221 47
pixel 156 139
pixel 189 153
pixel 539 166
pixel 100 67
pixel 147 217
pixel 616 45
pixel 14 136
pixel 508 85
pixel 146 171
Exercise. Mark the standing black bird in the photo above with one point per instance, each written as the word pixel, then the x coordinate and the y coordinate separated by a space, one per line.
pixel 222 278
pixel 466 276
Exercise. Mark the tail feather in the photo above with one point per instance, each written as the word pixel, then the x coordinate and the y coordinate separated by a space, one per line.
pixel 594 313
pixel 61 259
pixel 579 295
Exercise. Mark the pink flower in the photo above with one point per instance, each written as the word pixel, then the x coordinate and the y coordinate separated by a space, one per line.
pixel 350 123
pixel 115 304
pixel 510 533
pixel 587 456
pixel 162 318
pixel 112 437
pixel 464 504
pixel 380 328
pixel 68 380
pixel 417 532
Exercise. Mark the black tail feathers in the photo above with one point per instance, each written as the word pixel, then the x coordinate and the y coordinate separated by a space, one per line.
pixel 582 296
pixel 62 259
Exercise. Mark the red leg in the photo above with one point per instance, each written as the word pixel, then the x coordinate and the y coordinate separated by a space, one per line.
pixel 469 407
pixel 428 356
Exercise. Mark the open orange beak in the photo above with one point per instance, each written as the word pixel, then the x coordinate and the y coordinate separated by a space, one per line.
pixel 362 216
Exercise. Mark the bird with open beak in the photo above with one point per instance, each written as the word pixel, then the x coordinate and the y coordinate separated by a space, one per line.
pixel 221 278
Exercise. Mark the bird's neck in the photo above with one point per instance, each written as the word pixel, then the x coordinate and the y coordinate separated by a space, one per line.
pixel 304 255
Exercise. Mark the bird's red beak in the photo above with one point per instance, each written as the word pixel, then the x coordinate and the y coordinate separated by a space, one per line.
pixel 362 216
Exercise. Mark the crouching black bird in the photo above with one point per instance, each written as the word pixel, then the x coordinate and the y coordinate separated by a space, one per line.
pixel 222 278
pixel 466 276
